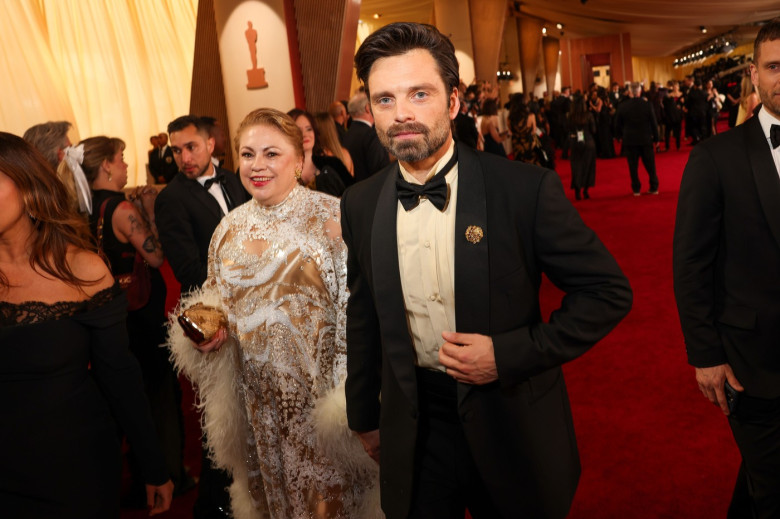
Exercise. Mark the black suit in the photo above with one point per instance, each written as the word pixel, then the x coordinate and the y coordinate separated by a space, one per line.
pixel 162 167
pixel 186 215
pixel 368 155
pixel 727 281
pixel 466 130
pixel 519 428
pixel 636 125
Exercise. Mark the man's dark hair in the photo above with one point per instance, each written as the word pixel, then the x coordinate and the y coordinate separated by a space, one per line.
pixel 182 122
pixel 399 38
pixel 769 32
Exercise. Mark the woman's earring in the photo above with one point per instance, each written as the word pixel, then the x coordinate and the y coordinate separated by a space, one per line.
pixel 33 219
pixel 298 172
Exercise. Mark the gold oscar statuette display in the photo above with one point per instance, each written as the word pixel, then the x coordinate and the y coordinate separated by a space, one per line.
pixel 255 77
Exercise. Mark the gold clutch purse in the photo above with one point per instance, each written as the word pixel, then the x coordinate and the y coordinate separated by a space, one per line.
pixel 201 322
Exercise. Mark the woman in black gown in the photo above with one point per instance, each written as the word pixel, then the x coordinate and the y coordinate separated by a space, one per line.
pixel 128 231
pixel 323 173
pixel 582 130
pixel 67 373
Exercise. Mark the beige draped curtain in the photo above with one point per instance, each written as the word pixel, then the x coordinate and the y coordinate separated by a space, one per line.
pixel 121 68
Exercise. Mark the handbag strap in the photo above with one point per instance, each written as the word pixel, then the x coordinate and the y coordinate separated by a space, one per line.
pixel 101 218
pixel 100 223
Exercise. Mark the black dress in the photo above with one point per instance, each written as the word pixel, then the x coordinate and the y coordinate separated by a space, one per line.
pixel 146 329
pixel 66 375
pixel 583 154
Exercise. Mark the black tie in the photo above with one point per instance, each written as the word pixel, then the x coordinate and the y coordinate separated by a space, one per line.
pixel 435 190
pixel 218 178
pixel 774 135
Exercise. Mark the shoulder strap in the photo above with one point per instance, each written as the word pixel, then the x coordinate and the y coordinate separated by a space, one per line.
pixel 99 236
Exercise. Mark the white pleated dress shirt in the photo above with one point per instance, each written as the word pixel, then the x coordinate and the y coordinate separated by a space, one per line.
pixel 426 259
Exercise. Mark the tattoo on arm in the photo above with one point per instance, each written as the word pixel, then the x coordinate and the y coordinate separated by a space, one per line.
pixel 136 225
pixel 150 244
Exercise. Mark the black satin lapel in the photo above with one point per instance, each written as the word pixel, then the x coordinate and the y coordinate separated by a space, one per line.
pixel 765 174
pixel 388 292
pixel 472 268
pixel 199 193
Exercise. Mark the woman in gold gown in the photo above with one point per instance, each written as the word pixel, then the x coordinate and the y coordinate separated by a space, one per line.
pixel 277 270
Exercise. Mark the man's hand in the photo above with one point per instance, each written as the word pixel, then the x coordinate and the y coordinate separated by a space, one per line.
pixel 469 358
pixel 370 441
pixel 711 381
pixel 158 498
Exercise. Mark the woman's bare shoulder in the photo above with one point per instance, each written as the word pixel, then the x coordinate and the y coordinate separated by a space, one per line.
pixel 91 268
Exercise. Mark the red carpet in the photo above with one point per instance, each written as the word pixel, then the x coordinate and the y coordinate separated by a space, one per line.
pixel 651 445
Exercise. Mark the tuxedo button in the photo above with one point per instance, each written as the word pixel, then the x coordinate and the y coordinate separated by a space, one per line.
pixel 427 245
pixel 432 297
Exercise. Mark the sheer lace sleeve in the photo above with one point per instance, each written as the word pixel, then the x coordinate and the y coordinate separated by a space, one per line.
pixel 338 253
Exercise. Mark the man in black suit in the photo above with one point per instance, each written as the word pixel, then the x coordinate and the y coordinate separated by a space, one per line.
pixel 696 113
pixel 559 110
pixel 475 414
pixel 727 280
pixel 361 141
pixel 338 111
pixel 186 213
pixel 162 163
pixel 466 127
pixel 636 126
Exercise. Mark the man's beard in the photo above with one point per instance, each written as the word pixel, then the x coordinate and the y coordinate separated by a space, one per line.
pixel 769 100
pixel 414 150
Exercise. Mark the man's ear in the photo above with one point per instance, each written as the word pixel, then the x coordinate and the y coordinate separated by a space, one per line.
pixel 210 145
pixel 454 101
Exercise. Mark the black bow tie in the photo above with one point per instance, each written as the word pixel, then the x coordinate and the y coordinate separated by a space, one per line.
pixel 435 190
pixel 774 135
pixel 219 179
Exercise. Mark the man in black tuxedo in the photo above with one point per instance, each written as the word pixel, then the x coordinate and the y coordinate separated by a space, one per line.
pixel 636 126
pixel 186 213
pixel 361 141
pixel 727 280
pixel 446 252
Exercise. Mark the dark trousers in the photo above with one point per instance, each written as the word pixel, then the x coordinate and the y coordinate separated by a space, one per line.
pixel 756 429
pixel 446 481
pixel 633 154
pixel 213 500
pixel 673 128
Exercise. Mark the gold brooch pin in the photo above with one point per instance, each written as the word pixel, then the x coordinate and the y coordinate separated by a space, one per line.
pixel 474 234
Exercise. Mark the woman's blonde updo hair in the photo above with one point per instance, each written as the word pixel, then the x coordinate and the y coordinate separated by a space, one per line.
pixel 275 119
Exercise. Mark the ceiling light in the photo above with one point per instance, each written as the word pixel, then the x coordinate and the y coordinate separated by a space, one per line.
pixel 559 25
pixel 544 30
pixel 377 16
pixel 703 29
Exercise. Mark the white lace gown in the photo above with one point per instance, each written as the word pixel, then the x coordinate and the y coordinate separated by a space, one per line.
pixel 281 275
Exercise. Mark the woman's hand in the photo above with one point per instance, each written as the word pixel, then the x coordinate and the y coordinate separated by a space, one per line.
pixel 214 344
pixel 158 498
